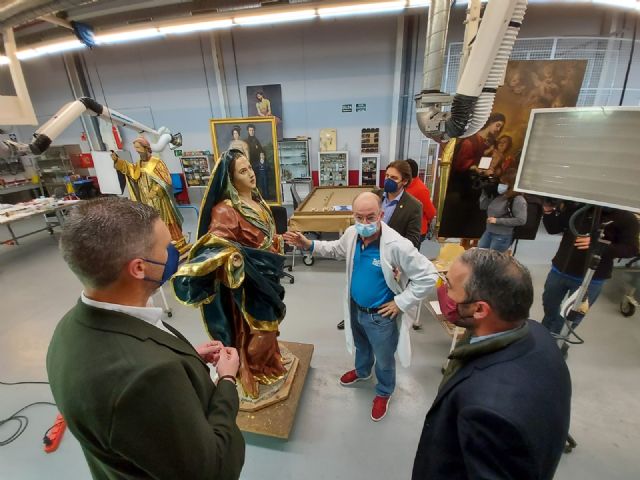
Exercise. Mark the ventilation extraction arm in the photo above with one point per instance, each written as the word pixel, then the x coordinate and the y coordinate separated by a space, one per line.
pixel 480 76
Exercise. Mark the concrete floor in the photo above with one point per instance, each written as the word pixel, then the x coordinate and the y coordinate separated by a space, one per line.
pixel 333 436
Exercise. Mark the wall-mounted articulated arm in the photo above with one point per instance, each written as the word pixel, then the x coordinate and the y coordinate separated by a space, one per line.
pixel 57 124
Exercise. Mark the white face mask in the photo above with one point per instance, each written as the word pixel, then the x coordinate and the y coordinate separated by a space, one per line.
pixel 502 188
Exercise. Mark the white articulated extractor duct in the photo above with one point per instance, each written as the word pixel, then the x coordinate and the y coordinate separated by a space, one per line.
pixel 495 77
pixel 480 77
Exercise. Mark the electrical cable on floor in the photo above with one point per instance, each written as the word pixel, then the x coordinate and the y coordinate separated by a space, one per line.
pixel 22 420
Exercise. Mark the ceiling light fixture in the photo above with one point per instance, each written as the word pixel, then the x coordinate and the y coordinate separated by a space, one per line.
pixel 276 17
pixel 128 36
pixel 196 27
pixel 361 9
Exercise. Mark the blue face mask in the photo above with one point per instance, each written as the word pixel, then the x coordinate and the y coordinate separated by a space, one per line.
pixel 366 229
pixel 170 267
pixel 502 188
pixel 390 186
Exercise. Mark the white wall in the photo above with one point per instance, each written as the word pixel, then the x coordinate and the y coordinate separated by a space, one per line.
pixel 321 65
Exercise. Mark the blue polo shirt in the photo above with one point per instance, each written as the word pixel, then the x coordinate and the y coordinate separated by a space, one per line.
pixel 368 287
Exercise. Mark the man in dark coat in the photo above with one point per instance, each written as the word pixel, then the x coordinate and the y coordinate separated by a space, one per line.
pixel 503 407
pixel 137 396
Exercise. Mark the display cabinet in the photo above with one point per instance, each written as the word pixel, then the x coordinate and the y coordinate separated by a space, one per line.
pixel 333 168
pixel 293 154
pixel 196 167
pixel 369 167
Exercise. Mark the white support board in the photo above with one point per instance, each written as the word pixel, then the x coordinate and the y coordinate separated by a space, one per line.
pixel 106 173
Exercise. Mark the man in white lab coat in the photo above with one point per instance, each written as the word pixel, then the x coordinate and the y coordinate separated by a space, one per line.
pixel 386 275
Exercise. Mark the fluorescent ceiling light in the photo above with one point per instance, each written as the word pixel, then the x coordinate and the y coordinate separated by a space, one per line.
pixel 59 47
pixel 276 17
pixel 197 27
pixel 27 54
pixel 418 3
pixel 361 8
pixel 631 4
pixel 128 36
pixel 4 60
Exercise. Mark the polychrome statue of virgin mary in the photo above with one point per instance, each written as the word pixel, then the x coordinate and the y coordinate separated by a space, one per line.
pixel 233 272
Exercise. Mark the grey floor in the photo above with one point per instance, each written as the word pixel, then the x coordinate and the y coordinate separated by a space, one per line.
pixel 333 436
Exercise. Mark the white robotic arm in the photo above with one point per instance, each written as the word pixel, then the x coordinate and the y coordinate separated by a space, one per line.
pixel 48 132
pixel 480 76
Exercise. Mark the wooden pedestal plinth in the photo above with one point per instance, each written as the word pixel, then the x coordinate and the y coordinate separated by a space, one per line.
pixel 276 420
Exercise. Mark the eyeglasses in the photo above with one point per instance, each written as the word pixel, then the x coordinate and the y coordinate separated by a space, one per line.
pixel 368 219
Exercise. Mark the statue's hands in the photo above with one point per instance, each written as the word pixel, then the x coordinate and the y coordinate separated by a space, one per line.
pixel 297 239
pixel 228 362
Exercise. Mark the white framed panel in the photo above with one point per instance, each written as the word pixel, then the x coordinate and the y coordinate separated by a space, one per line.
pixel 584 154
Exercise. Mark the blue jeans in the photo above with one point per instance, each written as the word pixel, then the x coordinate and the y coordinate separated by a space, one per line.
pixel 375 337
pixel 555 289
pixel 495 241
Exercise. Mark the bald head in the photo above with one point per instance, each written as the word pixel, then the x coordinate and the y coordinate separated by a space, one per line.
pixel 366 199
pixel 367 208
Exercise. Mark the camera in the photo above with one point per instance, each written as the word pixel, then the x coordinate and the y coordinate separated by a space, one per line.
pixel 483 182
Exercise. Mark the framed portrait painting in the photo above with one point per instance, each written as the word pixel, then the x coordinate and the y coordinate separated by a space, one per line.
pixel 256 137
pixel 266 101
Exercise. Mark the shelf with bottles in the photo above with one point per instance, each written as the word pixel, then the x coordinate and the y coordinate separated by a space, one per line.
pixel 293 155
pixel 197 167
pixel 333 168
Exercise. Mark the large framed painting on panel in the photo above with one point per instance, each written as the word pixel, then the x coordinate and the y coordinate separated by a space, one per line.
pixel 266 101
pixel 256 137
pixel 480 159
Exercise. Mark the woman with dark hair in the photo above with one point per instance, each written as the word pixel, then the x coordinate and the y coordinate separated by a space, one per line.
pixel 505 211
pixel 237 143
pixel 233 272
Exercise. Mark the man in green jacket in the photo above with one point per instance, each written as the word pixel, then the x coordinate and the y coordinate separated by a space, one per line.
pixel 137 396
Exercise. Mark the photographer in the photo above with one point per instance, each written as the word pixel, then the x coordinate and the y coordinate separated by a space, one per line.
pixel 505 211
pixel 569 265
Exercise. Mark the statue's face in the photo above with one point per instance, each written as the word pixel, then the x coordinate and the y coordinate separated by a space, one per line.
pixel 244 179
pixel 141 149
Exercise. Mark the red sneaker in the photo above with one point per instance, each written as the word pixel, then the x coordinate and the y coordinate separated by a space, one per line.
pixel 351 377
pixel 380 407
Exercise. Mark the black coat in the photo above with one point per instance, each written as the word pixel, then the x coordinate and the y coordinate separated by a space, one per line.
pixel 503 415
pixel 407 218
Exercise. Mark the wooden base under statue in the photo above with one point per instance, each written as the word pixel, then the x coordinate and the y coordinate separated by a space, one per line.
pixel 274 416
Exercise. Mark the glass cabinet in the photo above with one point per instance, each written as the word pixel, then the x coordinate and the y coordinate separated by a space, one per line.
pixel 333 168
pixel 293 155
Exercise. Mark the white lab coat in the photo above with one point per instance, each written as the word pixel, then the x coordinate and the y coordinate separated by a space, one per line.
pixel 417 276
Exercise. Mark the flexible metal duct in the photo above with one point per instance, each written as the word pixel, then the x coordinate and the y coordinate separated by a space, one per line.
pixel 17 13
pixel 435 46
